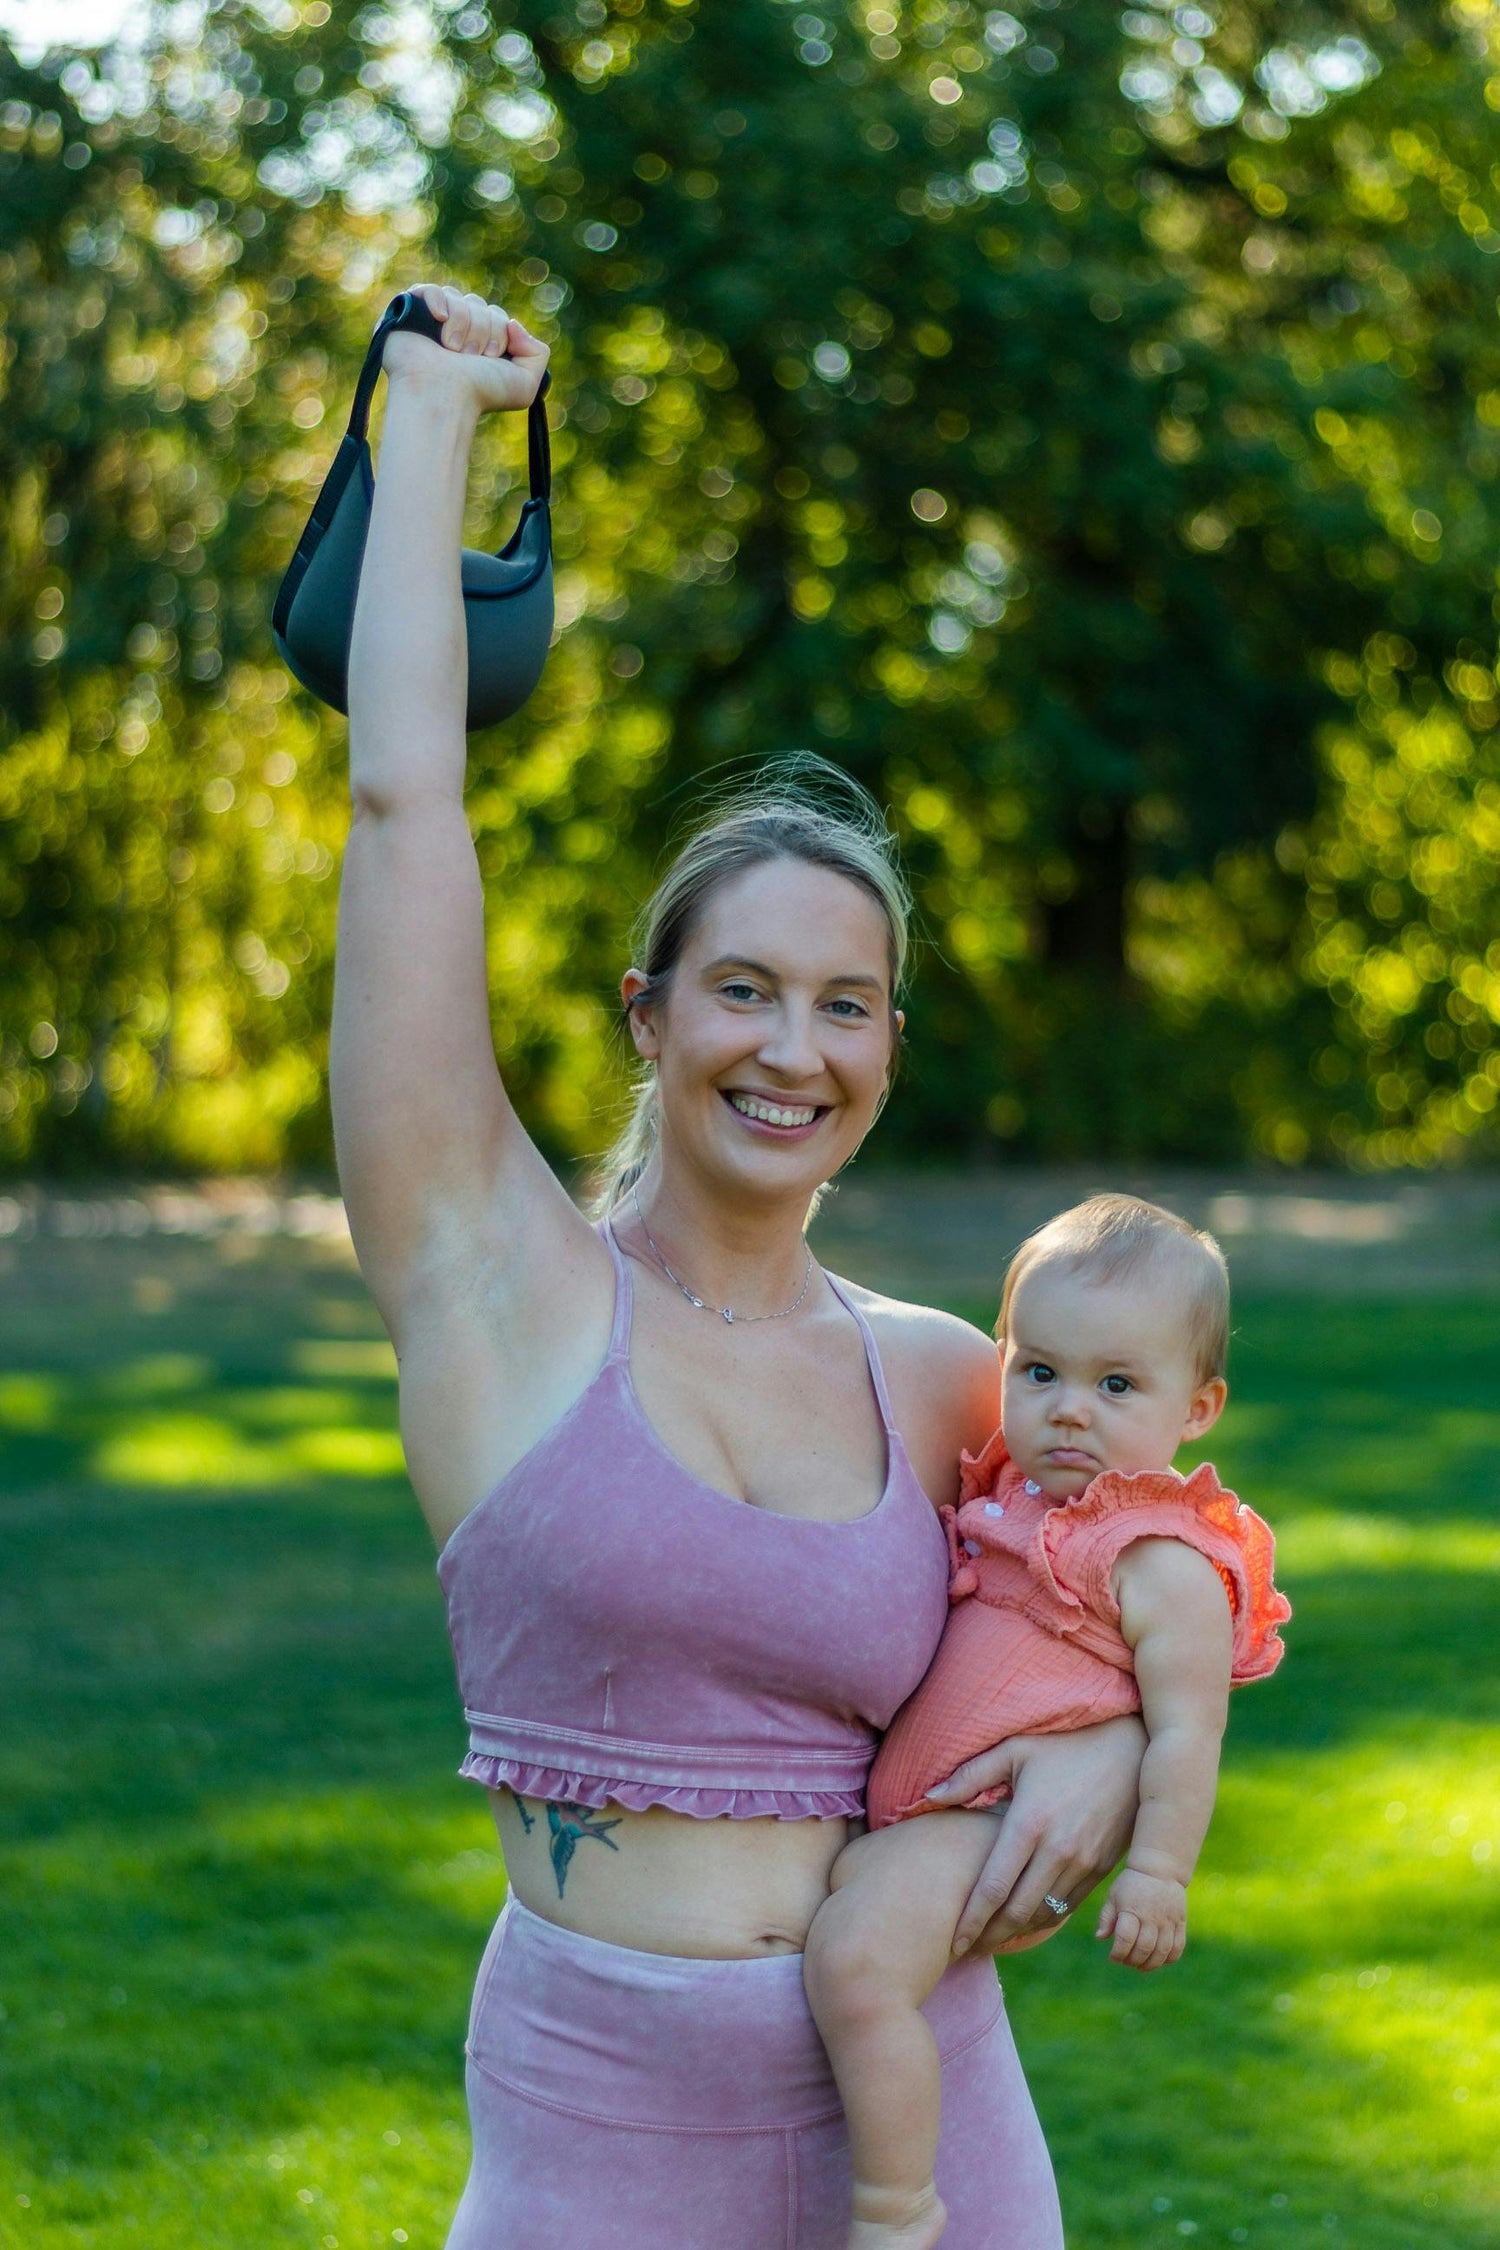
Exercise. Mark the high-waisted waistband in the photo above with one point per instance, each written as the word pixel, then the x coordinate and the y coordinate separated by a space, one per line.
pixel 670 2043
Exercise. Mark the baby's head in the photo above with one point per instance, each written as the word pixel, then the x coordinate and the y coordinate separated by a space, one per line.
pixel 1113 1330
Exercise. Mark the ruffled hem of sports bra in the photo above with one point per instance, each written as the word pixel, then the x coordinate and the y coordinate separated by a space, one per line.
pixel 556 1784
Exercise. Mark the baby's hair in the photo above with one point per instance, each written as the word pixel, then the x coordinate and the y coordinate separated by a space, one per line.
pixel 1110 1235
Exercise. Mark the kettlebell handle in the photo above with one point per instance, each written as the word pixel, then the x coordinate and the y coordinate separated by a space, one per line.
pixel 411 312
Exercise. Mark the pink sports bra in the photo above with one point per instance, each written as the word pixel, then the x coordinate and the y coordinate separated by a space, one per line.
pixel 623 1632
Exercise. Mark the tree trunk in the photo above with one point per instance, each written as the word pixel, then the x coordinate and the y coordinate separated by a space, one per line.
pixel 1086 931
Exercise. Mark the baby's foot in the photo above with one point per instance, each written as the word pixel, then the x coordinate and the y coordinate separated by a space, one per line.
pixel 887 2219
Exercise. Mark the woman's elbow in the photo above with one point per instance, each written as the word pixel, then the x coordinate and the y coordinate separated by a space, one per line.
pixel 372 799
pixel 380 798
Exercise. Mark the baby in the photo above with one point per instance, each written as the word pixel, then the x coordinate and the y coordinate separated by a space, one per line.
pixel 1088 1579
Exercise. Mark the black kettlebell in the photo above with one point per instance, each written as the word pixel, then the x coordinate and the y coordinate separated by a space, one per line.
pixel 507 596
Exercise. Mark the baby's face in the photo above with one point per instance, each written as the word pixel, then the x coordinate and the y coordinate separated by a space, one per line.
pixel 1099 1375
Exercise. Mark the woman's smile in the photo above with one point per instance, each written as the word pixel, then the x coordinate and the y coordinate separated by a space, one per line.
pixel 774 1116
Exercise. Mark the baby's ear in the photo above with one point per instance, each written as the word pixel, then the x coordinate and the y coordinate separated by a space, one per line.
pixel 1204 1408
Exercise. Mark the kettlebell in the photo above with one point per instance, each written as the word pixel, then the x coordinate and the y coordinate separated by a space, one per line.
pixel 507 596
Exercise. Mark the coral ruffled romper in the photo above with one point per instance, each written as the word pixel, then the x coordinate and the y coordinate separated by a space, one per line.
pixel 1033 1642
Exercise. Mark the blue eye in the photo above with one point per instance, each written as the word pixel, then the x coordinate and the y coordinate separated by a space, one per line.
pixel 1118 1385
pixel 738 991
pixel 853 1006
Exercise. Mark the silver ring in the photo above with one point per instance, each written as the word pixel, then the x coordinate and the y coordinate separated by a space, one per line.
pixel 1059 1906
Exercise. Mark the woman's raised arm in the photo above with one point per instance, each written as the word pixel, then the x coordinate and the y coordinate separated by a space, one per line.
pixel 430 1152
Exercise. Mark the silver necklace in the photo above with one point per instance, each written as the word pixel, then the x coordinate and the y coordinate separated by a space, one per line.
pixel 734 1319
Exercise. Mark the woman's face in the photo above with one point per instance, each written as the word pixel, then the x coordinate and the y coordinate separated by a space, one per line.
pixel 773 1041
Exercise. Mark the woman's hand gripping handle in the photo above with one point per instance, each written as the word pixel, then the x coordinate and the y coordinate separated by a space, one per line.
pixel 487 359
pixel 1073 1805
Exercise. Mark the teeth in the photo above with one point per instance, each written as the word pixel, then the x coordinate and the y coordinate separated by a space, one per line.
pixel 766 1113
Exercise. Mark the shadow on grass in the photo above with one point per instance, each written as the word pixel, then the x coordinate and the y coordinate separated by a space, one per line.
pixel 238 1967
pixel 155 1653
pixel 1194 2107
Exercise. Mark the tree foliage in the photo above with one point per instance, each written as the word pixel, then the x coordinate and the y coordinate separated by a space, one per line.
pixel 1084 427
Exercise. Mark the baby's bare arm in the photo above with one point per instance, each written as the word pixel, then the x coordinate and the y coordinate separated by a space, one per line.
pixel 1175 1614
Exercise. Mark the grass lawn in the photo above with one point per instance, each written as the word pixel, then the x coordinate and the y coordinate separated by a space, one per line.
pixel 242 1896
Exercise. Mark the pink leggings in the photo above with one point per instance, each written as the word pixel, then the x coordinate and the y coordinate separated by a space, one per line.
pixel 633 2098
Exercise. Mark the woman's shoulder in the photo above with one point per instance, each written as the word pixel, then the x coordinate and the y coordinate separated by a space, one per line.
pixel 936 1365
pixel 939 1339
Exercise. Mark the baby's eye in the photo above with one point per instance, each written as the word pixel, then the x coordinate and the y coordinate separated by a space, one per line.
pixel 1039 1372
pixel 1118 1385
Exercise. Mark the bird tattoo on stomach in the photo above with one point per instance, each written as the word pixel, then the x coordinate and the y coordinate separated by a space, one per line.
pixel 568 1826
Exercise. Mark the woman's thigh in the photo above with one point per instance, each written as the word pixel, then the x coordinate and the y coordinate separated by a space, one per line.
pixel 543 2177
pixel 619 2097
pixel 994 2172
pixel 625 2098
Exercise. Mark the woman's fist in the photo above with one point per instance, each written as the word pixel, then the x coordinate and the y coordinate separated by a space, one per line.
pixel 488 357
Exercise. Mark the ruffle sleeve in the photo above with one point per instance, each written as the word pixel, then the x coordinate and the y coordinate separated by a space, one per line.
pixel 1081 1541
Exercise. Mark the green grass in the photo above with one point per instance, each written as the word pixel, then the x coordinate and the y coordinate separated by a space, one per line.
pixel 243 1896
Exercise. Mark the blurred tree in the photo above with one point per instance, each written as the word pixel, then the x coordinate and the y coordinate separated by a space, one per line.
pixel 1047 413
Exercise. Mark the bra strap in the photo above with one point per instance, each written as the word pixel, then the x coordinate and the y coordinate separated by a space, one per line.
pixel 619 1335
pixel 872 1352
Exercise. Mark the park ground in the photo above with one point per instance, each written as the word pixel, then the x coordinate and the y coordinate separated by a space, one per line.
pixel 243 1895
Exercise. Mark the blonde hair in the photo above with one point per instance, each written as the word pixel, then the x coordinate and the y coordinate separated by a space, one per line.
pixel 805 809
pixel 1110 1235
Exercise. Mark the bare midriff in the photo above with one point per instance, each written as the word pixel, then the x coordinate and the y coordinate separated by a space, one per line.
pixel 659 1882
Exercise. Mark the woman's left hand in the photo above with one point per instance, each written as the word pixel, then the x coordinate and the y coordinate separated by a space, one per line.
pixel 1073 1805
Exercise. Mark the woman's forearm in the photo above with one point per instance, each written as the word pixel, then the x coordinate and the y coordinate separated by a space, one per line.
pixel 408 658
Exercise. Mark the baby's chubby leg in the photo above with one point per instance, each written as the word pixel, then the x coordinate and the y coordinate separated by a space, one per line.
pixel 876 1949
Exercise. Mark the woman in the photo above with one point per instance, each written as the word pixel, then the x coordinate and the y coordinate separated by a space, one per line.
pixel 684 1484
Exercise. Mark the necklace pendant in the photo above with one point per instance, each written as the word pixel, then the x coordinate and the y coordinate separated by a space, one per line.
pixel 728 1315
pixel 695 1301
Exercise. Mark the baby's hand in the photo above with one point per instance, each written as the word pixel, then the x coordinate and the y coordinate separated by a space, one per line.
pixel 1147 1917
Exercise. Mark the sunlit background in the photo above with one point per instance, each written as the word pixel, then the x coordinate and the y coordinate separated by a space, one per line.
pixel 1084 426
